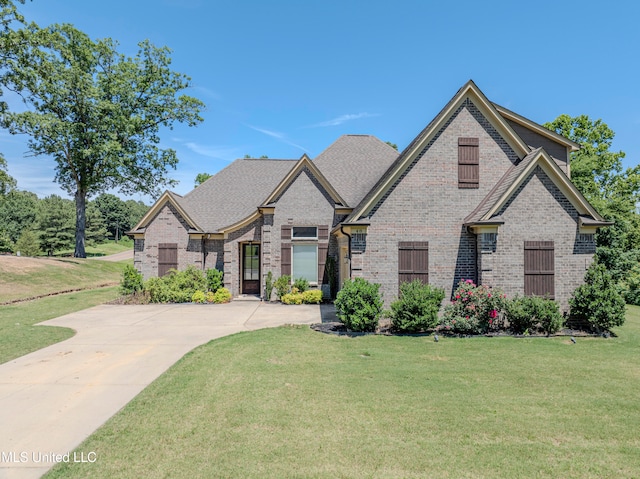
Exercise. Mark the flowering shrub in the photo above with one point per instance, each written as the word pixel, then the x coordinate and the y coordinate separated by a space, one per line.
pixel 474 309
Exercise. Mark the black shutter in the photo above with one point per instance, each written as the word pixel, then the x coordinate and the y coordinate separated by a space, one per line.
pixel 539 269
pixel 468 163
pixel 413 261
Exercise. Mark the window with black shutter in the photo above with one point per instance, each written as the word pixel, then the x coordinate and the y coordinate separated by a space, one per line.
pixel 468 163
pixel 167 257
pixel 539 270
pixel 413 261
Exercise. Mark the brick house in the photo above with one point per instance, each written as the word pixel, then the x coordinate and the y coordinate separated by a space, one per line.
pixel 481 193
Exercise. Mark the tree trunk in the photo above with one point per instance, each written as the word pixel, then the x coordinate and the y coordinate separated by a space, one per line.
pixel 81 223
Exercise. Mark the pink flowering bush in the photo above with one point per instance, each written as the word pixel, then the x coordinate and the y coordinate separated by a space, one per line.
pixel 474 309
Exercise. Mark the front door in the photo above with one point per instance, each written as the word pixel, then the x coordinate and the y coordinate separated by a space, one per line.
pixel 250 268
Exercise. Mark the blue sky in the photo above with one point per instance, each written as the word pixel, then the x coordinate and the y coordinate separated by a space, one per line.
pixel 283 77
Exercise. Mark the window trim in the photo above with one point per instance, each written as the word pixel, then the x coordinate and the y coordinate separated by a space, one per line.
pixel 303 238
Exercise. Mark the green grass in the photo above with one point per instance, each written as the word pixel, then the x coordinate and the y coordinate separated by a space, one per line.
pixel 31 277
pixel 290 402
pixel 104 249
pixel 20 336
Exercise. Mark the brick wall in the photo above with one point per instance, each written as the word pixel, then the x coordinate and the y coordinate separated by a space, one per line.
pixel 538 211
pixel 167 227
pixel 304 203
pixel 427 205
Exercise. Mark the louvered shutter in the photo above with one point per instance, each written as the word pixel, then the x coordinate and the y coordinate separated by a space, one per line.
pixel 539 269
pixel 413 261
pixel 167 257
pixel 468 163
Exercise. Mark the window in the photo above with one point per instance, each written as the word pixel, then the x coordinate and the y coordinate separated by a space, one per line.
pixel 305 262
pixel 413 261
pixel 251 262
pixel 304 232
pixel 167 257
pixel 539 277
pixel 468 163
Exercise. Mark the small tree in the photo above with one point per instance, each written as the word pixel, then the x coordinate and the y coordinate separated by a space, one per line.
pixel 28 244
pixel 283 285
pixel 417 307
pixel 359 305
pixel 215 279
pixel 598 301
pixel 131 281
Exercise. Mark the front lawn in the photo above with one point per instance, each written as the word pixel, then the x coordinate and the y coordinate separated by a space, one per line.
pixel 290 402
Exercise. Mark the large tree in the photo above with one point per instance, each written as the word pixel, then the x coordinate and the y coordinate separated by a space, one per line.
pixel 596 170
pixel 96 112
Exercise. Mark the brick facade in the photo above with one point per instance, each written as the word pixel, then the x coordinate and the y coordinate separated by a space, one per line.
pixel 426 204
pixel 166 227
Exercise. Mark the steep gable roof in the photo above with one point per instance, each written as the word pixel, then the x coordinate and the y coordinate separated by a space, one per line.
pixel 304 162
pixel 400 165
pixel 506 187
pixel 353 164
pixel 174 199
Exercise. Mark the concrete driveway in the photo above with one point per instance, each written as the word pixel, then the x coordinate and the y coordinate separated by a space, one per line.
pixel 54 398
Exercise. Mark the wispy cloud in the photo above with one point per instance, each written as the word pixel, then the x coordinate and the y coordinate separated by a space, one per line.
pixel 210 151
pixel 278 136
pixel 207 92
pixel 342 119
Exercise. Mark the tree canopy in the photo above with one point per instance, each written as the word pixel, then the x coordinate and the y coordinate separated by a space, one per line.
pixel 201 178
pixel 595 169
pixel 95 111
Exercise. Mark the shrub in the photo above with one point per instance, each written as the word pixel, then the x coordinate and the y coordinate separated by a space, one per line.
pixel 474 309
pixel 598 301
pixel 6 245
pixel 131 281
pixel 417 307
pixel 268 286
pixel 359 305
pixel 215 279
pixel 533 313
pixel 28 244
pixel 176 286
pixel 283 285
pixel 209 297
pixel 301 284
pixel 631 286
pixel 199 297
pixel 291 298
pixel 223 295
pixel 312 296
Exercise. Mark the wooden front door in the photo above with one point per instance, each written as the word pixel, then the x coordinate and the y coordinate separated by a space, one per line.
pixel 250 268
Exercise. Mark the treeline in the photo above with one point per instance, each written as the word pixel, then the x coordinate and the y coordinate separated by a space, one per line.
pixel 34 226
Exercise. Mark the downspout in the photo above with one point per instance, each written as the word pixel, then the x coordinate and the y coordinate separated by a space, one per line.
pixel 348 247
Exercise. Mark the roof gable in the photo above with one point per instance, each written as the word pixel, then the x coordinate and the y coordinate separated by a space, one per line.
pixel 300 166
pixel 468 92
pixel 176 201
pixel 516 175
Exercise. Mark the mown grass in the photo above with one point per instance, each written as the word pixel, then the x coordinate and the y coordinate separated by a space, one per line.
pixel 290 402
pixel 19 334
pixel 104 249
pixel 31 277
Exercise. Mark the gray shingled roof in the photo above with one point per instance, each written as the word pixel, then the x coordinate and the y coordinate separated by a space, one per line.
pixel 501 187
pixel 354 163
pixel 235 192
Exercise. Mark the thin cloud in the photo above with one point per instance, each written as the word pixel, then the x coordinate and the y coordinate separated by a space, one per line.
pixel 210 151
pixel 278 136
pixel 207 92
pixel 342 119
